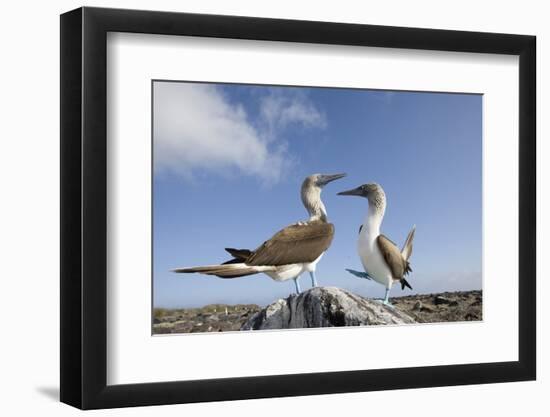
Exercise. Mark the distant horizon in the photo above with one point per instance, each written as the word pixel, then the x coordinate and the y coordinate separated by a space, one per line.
pixel 411 294
pixel 229 160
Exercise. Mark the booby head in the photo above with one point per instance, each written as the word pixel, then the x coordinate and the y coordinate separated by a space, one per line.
pixel 320 180
pixel 311 194
pixel 373 192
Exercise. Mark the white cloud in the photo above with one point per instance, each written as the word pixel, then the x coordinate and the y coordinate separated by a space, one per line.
pixel 197 128
pixel 278 110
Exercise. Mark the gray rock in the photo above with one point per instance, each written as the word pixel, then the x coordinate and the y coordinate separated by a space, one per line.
pixel 324 307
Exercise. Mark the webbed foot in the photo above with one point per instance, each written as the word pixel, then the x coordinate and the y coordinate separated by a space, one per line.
pixel 359 274
pixel 384 302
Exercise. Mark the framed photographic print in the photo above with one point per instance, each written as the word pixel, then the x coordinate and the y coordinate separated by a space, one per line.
pixel 258 207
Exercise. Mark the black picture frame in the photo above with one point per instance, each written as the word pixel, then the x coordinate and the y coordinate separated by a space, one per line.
pixel 84 207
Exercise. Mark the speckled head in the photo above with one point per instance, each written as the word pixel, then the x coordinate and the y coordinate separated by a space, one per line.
pixel 311 194
pixel 320 180
pixel 372 191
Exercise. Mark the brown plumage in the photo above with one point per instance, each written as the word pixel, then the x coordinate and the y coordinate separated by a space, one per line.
pixel 229 269
pixel 392 255
pixel 397 261
pixel 239 254
pixel 296 243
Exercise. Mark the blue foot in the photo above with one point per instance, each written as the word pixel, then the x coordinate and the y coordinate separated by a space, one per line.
pixel 359 274
pixel 384 302
pixel 387 303
pixel 313 279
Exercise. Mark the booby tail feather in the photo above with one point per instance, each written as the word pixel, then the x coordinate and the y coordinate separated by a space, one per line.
pixel 406 252
pixel 230 269
pixel 405 283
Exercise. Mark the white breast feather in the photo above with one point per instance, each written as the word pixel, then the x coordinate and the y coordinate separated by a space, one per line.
pixel 372 259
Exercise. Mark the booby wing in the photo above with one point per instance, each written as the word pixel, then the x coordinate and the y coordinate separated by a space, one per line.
pixel 297 243
pixel 239 254
pixel 393 257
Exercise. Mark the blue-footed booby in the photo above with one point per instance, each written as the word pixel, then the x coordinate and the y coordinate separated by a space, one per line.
pixel 381 258
pixel 289 252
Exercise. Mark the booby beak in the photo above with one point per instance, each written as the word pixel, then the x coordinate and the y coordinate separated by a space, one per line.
pixel 325 179
pixel 356 191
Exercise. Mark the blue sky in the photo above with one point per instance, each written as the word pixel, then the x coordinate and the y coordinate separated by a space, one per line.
pixel 229 161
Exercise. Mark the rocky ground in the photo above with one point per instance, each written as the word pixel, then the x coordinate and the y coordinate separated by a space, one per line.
pixel 423 308
pixel 210 318
pixel 442 307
